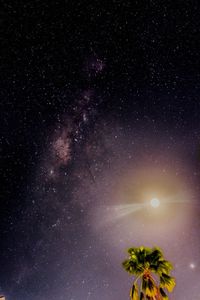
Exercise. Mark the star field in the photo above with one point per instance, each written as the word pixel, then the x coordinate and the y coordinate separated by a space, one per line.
pixel 99 115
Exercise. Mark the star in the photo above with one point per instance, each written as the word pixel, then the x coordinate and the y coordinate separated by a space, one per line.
pixel 192 266
pixel 51 172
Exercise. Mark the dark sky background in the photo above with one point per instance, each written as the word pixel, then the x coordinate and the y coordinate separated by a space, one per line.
pixel 96 98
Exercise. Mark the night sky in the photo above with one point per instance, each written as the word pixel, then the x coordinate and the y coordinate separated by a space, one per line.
pixel 100 113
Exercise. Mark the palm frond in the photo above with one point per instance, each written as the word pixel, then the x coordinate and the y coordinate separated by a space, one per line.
pixel 155 255
pixel 132 267
pixel 163 294
pixel 134 292
pixel 142 296
pixel 167 282
pixel 149 287
pixel 161 266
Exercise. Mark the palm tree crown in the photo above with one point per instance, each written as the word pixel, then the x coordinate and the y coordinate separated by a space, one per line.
pixel 152 274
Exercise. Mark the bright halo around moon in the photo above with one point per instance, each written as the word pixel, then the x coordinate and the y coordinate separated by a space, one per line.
pixel 155 202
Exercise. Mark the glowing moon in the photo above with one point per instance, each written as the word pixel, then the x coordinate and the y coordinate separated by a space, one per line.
pixel 155 202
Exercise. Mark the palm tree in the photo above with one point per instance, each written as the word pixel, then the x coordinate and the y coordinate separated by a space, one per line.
pixel 152 274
